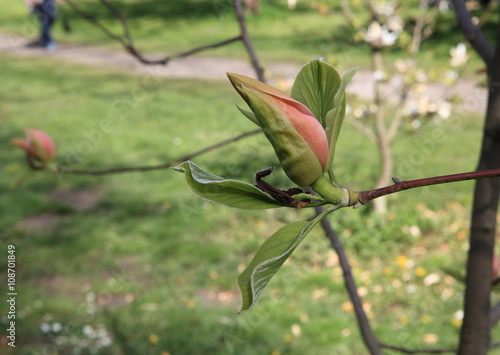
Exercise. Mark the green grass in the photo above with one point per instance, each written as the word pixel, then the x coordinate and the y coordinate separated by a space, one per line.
pixel 278 33
pixel 155 266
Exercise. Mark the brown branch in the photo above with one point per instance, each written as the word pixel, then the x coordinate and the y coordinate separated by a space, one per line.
pixel 96 23
pixel 419 351
pixel 122 20
pixel 167 165
pixel 365 196
pixel 129 46
pixel 259 71
pixel 367 334
pixel 208 46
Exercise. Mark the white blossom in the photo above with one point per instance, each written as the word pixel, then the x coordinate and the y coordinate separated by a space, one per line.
pixel 379 75
pixel 458 55
pixel 379 36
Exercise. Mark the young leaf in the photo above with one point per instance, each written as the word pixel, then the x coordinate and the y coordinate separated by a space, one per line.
pixel 250 115
pixel 316 86
pixel 335 117
pixel 270 256
pixel 232 193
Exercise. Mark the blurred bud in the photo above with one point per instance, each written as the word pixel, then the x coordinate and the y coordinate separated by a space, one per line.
pixel 495 266
pixel 39 147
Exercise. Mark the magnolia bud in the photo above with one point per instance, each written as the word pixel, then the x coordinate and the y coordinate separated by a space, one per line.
pixel 39 147
pixel 297 137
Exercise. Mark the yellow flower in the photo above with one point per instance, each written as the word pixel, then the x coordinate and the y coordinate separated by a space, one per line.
pixel 420 272
pixel 401 260
pixel 425 319
pixel 153 338
pixel 347 307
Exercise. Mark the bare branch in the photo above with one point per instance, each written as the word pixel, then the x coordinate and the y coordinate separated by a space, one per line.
pixel 122 20
pixel 259 71
pixel 157 167
pixel 369 337
pixel 203 48
pixel 129 46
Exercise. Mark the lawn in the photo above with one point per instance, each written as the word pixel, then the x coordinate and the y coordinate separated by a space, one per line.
pixel 278 33
pixel 137 264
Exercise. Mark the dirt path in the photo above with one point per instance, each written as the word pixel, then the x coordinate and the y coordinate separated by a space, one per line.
pixel 215 68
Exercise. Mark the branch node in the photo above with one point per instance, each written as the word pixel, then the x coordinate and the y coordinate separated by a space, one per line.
pixel 397 180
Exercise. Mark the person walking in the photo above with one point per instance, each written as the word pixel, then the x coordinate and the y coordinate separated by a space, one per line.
pixel 47 12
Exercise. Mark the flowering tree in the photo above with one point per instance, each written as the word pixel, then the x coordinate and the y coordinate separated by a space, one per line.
pixel 402 83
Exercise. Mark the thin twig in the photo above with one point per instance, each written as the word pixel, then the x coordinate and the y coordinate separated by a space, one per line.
pixel 60 170
pixel 128 43
pixel 203 48
pixel 122 20
pixel 96 23
pixel 259 71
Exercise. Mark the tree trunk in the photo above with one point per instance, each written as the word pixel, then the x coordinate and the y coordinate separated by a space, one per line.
pixel 475 333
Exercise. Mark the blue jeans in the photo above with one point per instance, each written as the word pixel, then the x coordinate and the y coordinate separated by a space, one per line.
pixel 47 11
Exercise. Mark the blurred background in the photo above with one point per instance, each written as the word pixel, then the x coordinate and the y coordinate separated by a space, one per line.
pixel 135 263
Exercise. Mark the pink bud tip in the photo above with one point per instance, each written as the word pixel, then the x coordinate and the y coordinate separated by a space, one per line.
pixel 38 145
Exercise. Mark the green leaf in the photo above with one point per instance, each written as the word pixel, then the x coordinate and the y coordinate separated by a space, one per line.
pixel 250 115
pixel 270 256
pixel 316 86
pixel 232 193
pixel 335 117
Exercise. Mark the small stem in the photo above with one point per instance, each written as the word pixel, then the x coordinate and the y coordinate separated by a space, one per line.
pixel 365 196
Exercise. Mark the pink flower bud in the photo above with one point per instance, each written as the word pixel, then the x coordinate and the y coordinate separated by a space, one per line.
pixel 297 137
pixel 39 147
